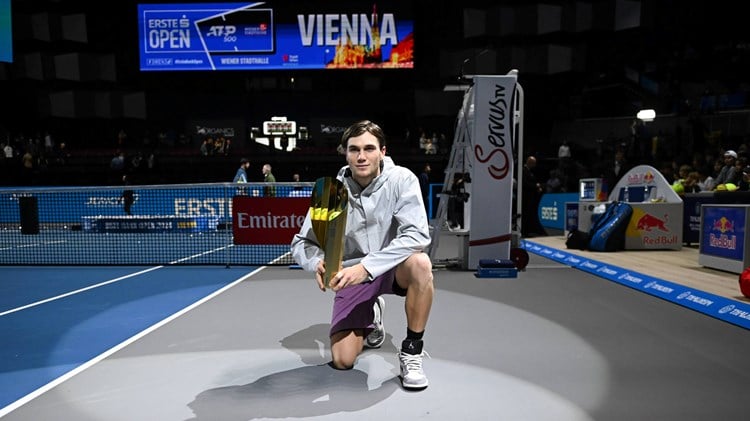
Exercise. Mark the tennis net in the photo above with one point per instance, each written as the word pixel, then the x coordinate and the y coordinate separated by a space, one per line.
pixel 209 224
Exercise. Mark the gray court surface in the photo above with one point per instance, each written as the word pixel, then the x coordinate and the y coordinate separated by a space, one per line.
pixel 553 344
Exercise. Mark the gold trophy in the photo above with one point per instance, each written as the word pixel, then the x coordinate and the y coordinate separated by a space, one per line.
pixel 328 215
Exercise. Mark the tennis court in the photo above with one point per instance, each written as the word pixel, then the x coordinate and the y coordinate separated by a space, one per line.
pixel 211 343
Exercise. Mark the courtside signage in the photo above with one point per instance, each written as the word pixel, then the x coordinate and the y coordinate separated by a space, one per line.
pixel 259 220
pixel 492 172
pixel 735 312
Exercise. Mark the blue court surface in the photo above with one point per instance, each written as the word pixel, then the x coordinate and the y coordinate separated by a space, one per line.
pixel 55 320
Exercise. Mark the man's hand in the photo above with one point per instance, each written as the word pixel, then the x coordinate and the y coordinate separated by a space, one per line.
pixel 319 272
pixel 349 276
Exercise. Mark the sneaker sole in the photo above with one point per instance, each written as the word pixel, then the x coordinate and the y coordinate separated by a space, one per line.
pixel 382 324
pixel 414 387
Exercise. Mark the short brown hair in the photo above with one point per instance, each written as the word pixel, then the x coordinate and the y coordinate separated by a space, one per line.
pixel 359 128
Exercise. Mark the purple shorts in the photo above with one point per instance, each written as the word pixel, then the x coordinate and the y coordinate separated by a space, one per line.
pixel 352 306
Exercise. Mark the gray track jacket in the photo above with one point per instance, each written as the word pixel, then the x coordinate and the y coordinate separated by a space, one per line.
pixel 386 223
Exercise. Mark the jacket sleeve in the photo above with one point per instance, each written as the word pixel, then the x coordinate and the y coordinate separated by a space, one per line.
pixel 305 248
pixel 412 229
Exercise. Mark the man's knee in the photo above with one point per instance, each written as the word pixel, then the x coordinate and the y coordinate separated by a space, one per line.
pixel 417 268
pixel 338 364
pixel 423 264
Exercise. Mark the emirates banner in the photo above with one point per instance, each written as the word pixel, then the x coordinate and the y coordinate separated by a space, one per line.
pixel 267 220
pixel 492 169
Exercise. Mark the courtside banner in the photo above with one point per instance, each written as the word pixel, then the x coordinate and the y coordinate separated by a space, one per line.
pixel 272 220
pixel 276 35
pixel 492 170
pixel 728 310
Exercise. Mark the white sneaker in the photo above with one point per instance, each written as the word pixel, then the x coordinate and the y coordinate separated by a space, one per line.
pixel 376 338
pixel 412 375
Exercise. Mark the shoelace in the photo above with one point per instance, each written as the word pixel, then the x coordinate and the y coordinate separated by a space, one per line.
pixel 414 362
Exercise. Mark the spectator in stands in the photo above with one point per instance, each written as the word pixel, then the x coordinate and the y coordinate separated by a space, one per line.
pixel 555 183
pixel 219 146
pixel 205 147
pixel 299 190
pixel 118 162
pixel 8 151
pixel 612 170
pixel 424 185
pixel 268 177
pixel 710 183
pixel 62 154
pixel 727 171
pixel 682 173
pixel 692 182
pixel 739 167
pixel 128 197
pixel 532 193
pixel 122 138
pixel 227 146
pixel 744 184
pixel 241 175
pixel 705 181
pixel 458 197
pixel 563 152
pixel 423 141
pixel 27 161
pixel 49 144
pixel 435 141
pixel 429 146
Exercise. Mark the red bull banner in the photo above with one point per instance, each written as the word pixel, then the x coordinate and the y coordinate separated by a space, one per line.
pixel 265 220
pixel 654 226
pixel 724 232
pixel 656 223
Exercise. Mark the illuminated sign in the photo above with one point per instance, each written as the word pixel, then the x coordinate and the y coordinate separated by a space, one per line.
pixel 260 36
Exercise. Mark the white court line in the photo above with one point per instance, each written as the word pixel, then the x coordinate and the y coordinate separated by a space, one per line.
pixel 67 294
pixel 31 396
pixel 201 254
pixel 44 243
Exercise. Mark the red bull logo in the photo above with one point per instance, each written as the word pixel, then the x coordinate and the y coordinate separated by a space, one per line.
pixel 648 222
pixel 723 225
pixel 640 178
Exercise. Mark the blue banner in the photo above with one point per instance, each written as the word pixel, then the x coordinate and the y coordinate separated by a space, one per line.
pixel 70 206
pixel 723 232
pixel 6 32
pixel 259 36
pixel 552 210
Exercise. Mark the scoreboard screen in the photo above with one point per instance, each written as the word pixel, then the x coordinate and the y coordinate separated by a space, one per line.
pixel 262 36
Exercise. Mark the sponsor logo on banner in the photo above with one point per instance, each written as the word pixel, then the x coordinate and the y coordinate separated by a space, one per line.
pixel 640 178
pixel 261 220
pixel 723 232
pixel 492 169
pixel 648 222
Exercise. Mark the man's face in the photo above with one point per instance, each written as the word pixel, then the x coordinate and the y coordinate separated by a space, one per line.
pixel 364 154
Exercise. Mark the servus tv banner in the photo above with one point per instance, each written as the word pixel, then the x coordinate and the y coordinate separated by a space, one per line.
pixel 273 36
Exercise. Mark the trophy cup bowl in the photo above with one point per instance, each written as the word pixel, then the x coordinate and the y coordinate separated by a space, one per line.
pixel 328 211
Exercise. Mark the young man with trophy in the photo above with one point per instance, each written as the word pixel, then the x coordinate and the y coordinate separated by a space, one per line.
pixel 365 236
